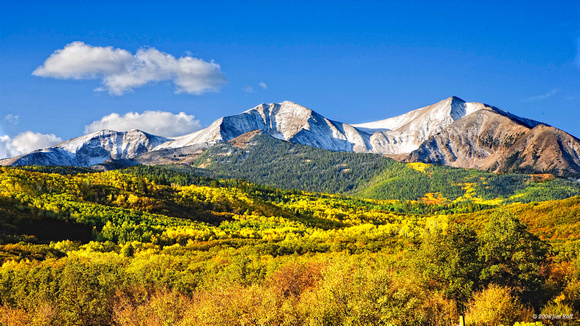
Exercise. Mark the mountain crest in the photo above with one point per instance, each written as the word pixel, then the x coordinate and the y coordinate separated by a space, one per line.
pixel 451 132
pixel 287 121
pixel 91 149
pixel 281 120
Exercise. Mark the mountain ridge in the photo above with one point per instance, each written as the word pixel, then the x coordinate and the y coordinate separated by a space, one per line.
pixel 91 149
pixel 450 132
pixel 287 120
pixel 492 142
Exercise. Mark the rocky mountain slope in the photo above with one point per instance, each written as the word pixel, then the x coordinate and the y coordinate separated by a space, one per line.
pixel 406 133
pixel 451 132
pixel 493 141
pixel 287 121
pixel 91 149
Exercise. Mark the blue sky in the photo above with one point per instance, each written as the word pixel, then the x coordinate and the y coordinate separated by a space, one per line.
pixel 350 61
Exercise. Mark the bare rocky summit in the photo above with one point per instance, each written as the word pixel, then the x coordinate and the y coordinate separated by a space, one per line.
pixel 499 142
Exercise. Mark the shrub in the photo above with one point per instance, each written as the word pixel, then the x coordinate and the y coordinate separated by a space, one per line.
pixel 494 306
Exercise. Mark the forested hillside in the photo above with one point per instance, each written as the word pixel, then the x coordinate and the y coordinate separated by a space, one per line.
pixel 166 246
pixel 265 160
pixel 270 161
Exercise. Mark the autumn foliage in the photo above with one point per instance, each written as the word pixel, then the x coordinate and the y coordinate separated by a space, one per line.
pixel 186 250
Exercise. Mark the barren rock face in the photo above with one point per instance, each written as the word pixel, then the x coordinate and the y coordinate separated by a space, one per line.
pixel 543 148
pixel 488 140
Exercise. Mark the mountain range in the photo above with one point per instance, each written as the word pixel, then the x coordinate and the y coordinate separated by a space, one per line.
pixel 451 132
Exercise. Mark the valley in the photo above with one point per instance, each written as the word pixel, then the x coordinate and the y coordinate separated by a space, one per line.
pixel 173 243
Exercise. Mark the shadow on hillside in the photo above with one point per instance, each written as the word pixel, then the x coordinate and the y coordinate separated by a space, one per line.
pixel 46 230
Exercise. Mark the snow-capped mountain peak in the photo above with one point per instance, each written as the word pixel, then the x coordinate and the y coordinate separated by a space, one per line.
pixel 404 133
pixel 450 109
pixel 91 149
pixel 452 131
pixel 287 121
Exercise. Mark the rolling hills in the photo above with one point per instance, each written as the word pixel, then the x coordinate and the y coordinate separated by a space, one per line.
pixel 160 243
pixel 280 216
pixel 262 159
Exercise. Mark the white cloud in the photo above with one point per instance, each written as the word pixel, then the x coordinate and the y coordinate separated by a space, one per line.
pixel 154 122
pixel 4 144
pixel 250 89
pixel 29 141
pixel 26 142
pixel 11 119
pixel 121 71
pixel 544 96
pixel 80 61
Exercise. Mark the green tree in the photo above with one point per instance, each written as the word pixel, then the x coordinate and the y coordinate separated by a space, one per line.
pixel 87 289
pixel 512 256
pixel 450 258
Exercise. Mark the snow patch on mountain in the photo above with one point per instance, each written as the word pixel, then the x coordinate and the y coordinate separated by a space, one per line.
pixel 287 121
pixel 405 133
pixel 91 149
